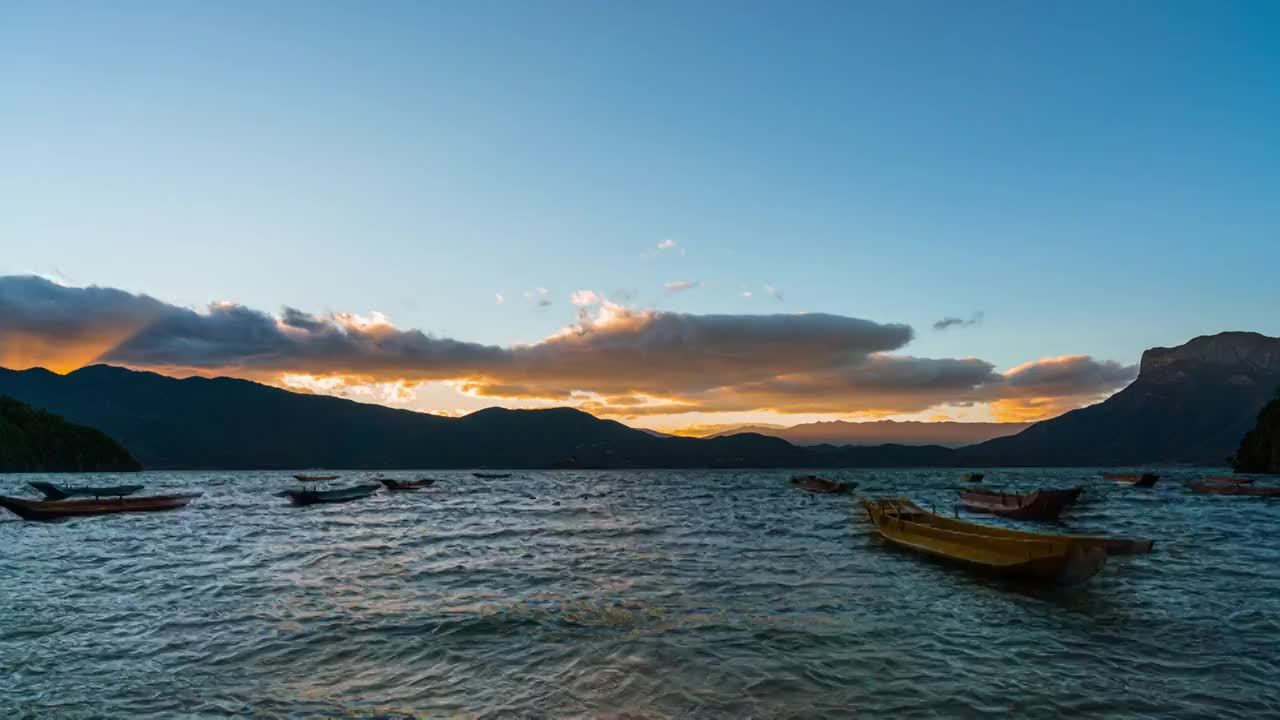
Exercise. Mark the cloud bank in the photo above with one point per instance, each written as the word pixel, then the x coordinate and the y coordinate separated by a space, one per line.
pixel 614 360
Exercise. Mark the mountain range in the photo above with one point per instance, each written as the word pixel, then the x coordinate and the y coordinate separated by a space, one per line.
pixel 1189 405
pixel 233 424
pixel 882 432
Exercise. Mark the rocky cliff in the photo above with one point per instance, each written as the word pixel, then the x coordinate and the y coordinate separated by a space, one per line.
pixel 1189 404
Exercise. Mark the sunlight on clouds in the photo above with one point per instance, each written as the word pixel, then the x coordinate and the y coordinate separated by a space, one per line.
pixel 396 393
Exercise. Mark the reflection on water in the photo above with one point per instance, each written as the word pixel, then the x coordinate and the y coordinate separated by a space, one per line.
pixel 626 595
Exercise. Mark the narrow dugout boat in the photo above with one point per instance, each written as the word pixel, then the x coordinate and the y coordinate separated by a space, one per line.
pixel 28 509
pixel 815 484
pixel 1231 479
pixel 1113 546
pixel 393 484
pixel 972 477
pixel 62 492
pixel 339 495
pixel 315 478
pixel 1143 480
pixel 1055 559
pixel 1232 489
pixel 1039 505
pixel 492 476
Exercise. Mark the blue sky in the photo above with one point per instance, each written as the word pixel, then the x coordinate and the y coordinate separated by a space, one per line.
pixel 1096 178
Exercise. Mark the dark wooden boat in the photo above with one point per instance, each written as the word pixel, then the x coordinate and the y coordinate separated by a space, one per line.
pixel 1039 505
pixel 1233 489
pixel 492 476
pixel 393 484
pixel 28 509
pixel 315 478
pixel 1143 480
pixel 1230 479
pixel 815 484
pixel 339 495
pixel 972 477
pixel 62 492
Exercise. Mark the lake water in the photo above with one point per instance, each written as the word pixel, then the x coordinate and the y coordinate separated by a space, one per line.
pixel 645 594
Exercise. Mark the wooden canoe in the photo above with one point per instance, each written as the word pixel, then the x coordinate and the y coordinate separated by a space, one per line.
pixel 1049 558
pixel 1039 505
pixel 972 477
pixel 1143 480
pixel 1231 479
pixel 28 509
pixel 1232 489
pixel 62 492
pixel 815 484
pixel 340 495
pixel 315 478
pixel 393 484
pixel 492 476
pixel 1113 546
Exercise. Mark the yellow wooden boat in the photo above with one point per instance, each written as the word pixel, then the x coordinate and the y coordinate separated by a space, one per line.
pixel 1113 546
pixel 1053 558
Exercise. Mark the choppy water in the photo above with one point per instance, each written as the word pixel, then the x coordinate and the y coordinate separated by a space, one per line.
pixel 698 594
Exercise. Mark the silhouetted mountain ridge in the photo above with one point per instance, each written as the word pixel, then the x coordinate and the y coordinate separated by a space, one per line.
pixel 237 424
pixel 1189 405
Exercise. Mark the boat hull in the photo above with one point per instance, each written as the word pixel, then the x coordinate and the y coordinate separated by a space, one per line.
pixel 491 476
pixel 62 492
pixel 1039 505
pixel 403 485
pixel 1226 479
pixel 1044 558
pixel 1240 490
pixel 820 486
pixel 972 477
pixel 59 509
pixel 1113 546
pixel 320 497
pixel 315 478
pixel 1142 480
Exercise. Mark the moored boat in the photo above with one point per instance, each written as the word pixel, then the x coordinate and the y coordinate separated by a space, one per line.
pixel 491 476
pixel 62 492
pixel 393 484
pixel 1113 546
pixel 1039 505
pixel 315 478
pixel 1231 479
pixel 1052 558
pixel 815 484
pixel 972 477
pixel 307 496
pixel 1144 480
pixel 1234 489
pixel 28 509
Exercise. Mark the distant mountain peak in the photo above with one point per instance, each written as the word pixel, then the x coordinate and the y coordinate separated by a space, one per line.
pixel 1247 350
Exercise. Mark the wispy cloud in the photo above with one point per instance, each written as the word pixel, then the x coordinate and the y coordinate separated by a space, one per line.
pixel 774 292
pixel 950 321
pixel 585 298
pixel 539 296
pixel 676 286
pixel 670 245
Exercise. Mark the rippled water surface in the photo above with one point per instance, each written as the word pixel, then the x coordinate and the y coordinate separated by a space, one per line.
pixel 671 594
